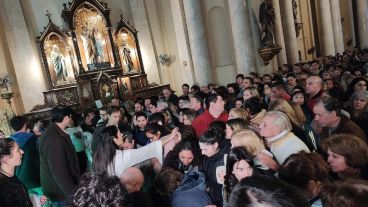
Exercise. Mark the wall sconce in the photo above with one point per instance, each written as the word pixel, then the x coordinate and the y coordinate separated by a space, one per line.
pixel 164 59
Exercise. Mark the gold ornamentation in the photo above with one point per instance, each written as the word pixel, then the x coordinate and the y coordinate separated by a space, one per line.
pixel 268 53
pixel 67 95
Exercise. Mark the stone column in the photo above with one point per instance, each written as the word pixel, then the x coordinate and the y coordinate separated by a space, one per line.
pixel 28 72
pixel 145 40
pixel 197 41
pixel 279 34
pixel 350 18
pixel 185 71
pixel 288 24
pixel 326 36
pixel 362 6
pixel 242 36
pixel 337 27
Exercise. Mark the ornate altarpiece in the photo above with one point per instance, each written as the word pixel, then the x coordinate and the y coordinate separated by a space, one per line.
pixel 89 60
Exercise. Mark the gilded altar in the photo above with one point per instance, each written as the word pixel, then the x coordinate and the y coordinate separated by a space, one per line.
pixel 90 59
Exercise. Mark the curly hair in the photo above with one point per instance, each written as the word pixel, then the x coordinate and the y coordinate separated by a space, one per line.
pixel 100 190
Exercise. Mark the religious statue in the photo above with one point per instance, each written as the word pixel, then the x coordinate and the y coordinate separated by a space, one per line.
pixel 266 18
pixel 128 59
pixel 92 45
pixel 97 54
pixel 58 61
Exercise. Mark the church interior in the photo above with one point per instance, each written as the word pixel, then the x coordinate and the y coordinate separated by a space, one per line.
pixel 184 103
pixel 207 41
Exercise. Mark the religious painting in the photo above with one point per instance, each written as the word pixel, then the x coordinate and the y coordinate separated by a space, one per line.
pixel 59 60
pixel 107 91
pixel 92 38
pixel 128 52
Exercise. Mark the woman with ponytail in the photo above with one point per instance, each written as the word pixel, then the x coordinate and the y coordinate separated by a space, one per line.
pixel 12 191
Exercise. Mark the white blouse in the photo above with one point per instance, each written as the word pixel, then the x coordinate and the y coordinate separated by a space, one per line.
pixel 127 158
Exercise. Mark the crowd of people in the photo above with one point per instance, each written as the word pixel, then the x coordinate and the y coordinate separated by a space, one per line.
pixel 296 137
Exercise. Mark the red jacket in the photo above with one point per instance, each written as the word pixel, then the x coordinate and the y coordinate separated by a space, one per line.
pixel 203 121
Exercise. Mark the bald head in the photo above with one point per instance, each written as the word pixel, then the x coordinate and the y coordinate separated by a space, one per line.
pixel 133 179
pixel 314 85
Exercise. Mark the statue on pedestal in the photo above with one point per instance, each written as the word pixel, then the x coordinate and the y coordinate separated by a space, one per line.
pixel 267 19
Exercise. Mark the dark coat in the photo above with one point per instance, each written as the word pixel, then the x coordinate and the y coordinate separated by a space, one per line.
pixel 209 169
pixel 13 192
pixel 58 164
pixel 346 126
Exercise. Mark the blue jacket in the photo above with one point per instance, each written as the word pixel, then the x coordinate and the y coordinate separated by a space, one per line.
pixel 193 190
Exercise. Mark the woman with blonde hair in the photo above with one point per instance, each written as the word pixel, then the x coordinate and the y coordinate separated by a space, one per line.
pixel 234 125
pixel 250 92
pixel 250 141
pixel 238 113
pixel 297 120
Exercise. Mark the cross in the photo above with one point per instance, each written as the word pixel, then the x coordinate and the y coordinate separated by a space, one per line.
pixel 48 14
pixel 121 14
pixel 67 95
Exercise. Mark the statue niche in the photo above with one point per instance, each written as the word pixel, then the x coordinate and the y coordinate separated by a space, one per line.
pixel 57 56
pixel 127 48
pixel 127 45
pixel 92 38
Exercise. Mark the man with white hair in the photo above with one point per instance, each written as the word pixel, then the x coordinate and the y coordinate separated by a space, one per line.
pixel 276 128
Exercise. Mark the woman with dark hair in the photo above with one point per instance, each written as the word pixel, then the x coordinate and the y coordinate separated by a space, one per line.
pixel 239 165
pixel 12 191
pixel 299 97
pixel 356 85
pixel 265 92
pixel 307 171
pixel 213 162
pixel 110 159
pixel 358 109
pixel 189 116
pixel 100 190
pixel 88 123
pixel 185 157
pixel 155 131
pixel 347 156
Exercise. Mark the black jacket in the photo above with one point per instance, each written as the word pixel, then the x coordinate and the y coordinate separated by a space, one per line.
pixel 58 164
pixel 209 169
